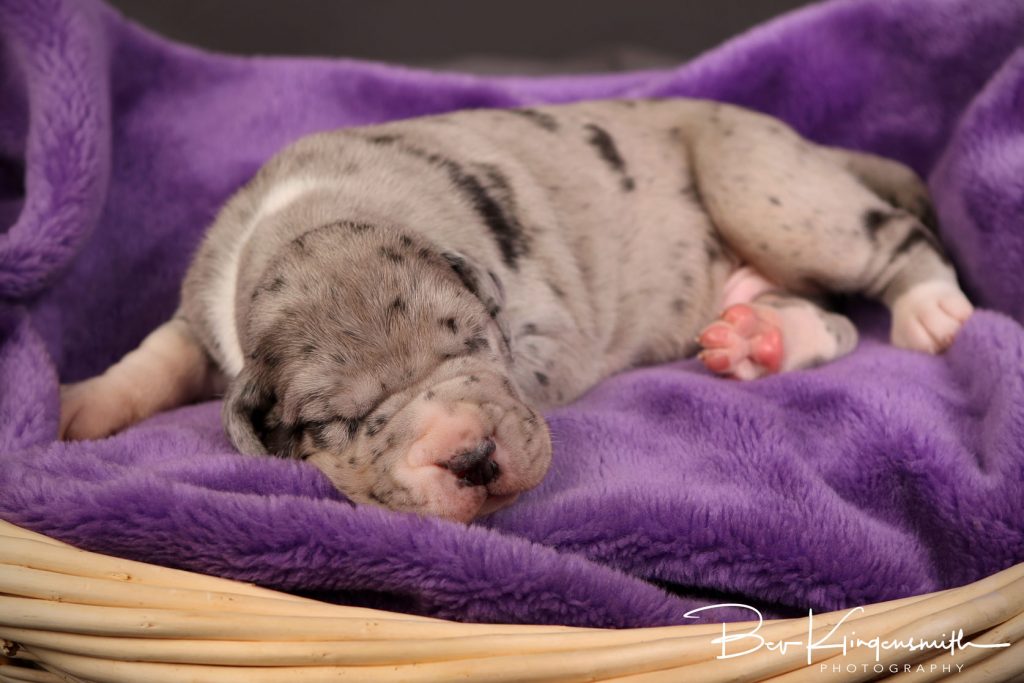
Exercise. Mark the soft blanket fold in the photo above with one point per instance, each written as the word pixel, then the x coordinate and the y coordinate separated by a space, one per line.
pixel 885 474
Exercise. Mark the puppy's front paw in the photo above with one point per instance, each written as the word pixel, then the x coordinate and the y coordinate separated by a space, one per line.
pixel 93 409
pixel 744 343
pixel 929 316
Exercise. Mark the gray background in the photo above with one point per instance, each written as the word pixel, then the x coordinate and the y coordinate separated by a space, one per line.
pixel 516 36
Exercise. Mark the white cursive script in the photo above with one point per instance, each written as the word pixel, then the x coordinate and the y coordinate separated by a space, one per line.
pixel 754 641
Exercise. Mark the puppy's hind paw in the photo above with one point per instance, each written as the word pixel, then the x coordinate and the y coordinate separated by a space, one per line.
pixel 929 316
pixel 744 343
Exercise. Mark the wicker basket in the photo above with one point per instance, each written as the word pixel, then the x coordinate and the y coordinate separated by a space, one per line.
pixel 71 615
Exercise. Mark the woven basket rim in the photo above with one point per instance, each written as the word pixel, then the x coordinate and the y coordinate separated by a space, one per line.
pixel 74 615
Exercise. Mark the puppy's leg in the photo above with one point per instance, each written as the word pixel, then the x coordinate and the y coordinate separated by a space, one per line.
pixel 169 369
pixel 892 181
pixel 806 222
pixel 764 330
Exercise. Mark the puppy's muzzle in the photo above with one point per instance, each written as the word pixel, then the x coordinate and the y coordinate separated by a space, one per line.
pixel 469 455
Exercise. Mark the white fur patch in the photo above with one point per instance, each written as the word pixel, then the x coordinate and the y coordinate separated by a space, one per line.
pixel 224 288
pixel 744 285
pixel 928 316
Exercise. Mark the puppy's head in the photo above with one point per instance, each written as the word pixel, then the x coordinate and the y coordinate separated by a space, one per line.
pixel 383 361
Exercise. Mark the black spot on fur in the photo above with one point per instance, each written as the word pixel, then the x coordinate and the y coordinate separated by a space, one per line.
pixel 909 242
pixel 274 286
pixel 266 354
pixel 391 255
pixel 556 290
pixel 405 240
pixel 299 243
pixel 499 219
pixel 538 118
pixel 493 309
pixel 398 305
pixel 874 220
pixel 928 217
pixel 374 426
pixel 496 205
pixel 451 324
pixel 678 305
pixel 257 406
pixel 775 201
pixel 542 379
pixel 380 498
pixel 528 329
pixel 318 432
pixel 383 139
pixel 464 271
pixel 693 192
pixel 713 247
pixel 601 141
pixel 498 284
pixel 430 396
pixel 474 344
pixel 281 439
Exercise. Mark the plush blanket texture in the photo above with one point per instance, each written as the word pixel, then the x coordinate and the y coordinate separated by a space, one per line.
pixel 886 474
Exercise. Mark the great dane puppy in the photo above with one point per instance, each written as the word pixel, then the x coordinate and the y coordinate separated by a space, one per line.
pixel 395 304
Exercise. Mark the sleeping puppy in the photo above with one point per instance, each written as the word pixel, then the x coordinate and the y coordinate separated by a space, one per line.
pixel 395 304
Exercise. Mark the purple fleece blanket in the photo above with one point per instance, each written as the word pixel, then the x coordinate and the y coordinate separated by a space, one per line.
pixel 885 474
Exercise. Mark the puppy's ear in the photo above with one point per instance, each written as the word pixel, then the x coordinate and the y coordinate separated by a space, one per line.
pixel 483 284
pixel 252 416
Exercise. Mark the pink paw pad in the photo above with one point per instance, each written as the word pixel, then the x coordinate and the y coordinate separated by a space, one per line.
pixel 744 343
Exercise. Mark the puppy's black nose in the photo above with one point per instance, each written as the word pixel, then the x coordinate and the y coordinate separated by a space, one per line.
pixel 475 467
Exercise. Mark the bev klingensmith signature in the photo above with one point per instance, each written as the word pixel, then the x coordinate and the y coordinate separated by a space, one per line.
pixel 953 643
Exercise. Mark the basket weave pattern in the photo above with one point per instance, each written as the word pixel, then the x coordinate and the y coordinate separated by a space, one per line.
pixel 71 615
